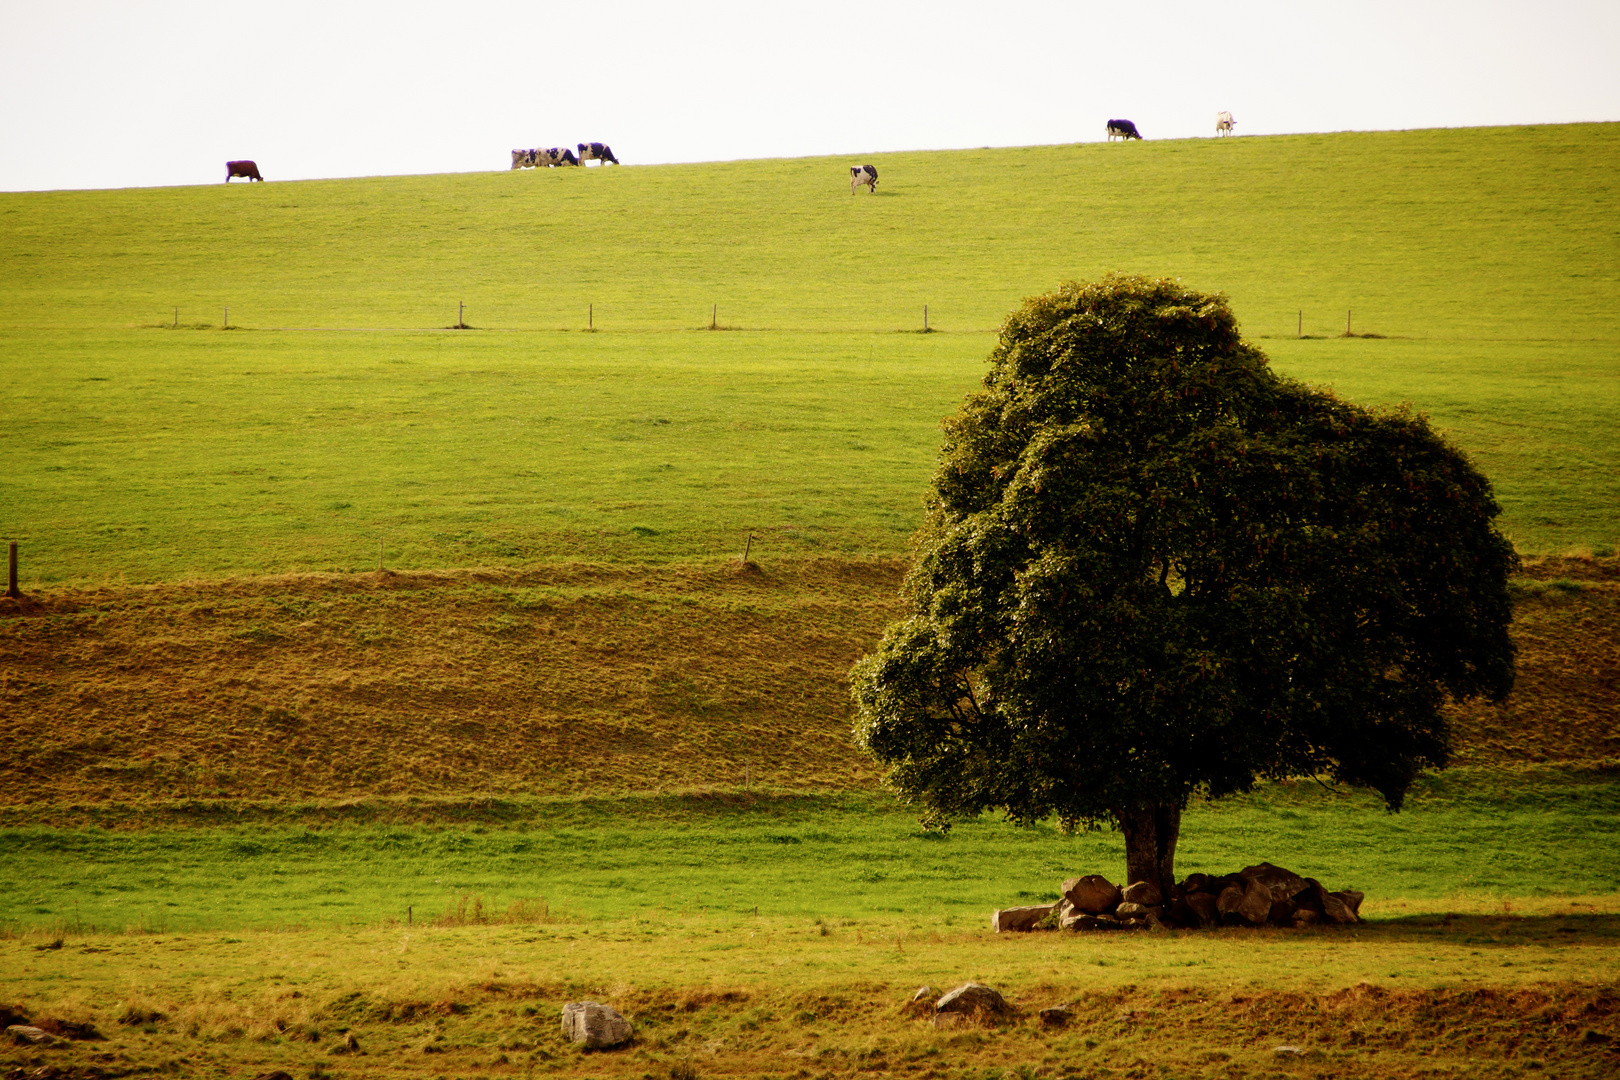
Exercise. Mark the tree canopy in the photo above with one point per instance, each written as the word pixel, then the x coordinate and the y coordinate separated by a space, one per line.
pixel 1153 569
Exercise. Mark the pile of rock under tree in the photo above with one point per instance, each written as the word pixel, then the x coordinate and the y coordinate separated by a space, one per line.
pixel 1261 895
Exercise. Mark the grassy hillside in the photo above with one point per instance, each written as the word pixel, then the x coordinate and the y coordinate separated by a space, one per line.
pixel 567 680
pixel 1507 233
pixel 1489 256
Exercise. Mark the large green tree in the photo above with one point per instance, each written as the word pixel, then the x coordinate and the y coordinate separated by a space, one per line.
pixel 1152 569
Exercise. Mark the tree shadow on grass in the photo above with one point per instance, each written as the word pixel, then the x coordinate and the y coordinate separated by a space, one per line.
pixel 1574 928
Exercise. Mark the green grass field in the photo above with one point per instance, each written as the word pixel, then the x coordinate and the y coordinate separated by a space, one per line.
pixel 1471 837
pixel 1489 257
pixel 779 936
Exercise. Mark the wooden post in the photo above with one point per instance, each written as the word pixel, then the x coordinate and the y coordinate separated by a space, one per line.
pixel 714 316
pixel 177 318
pixel 11 576
pixel 746 548
pixel 408 914
pixel 1347 322
pixel 590 316
pixel 1300 331
pixel 461 314
pixel 748 777
pixel 227 319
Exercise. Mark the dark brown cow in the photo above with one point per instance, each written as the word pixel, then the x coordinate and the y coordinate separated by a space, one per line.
pixel 242 168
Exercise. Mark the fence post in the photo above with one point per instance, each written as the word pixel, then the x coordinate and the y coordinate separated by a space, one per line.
pixel 1299 332
pixel 925 318
pixel 11 577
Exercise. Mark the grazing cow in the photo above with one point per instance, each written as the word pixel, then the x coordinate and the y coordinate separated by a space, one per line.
pixel 557 155
pixel 242 168
pixel 1124 129
pixel 863 174
pixel 595 151
pixel 523 159
pixel 1224 123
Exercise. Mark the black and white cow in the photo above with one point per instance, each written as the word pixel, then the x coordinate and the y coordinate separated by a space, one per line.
pixel 1224 123
pixel 863 174
pixel 1124 129
pixel 595 151
pixel 548 158
pixel 248 169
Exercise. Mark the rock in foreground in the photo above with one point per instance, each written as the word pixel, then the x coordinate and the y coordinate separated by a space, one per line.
pixel 594 1026
pixel 973 998
pixel 1020 919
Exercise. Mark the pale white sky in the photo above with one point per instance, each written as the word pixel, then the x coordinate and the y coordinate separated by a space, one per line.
pixel 99 94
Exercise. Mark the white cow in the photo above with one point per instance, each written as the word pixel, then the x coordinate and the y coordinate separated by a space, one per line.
pixel 1223 123
pixel 863 176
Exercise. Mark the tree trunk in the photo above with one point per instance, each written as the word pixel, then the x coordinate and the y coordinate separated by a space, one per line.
pixel 1151 831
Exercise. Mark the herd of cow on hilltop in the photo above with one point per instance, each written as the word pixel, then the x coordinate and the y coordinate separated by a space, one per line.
pixel 552 157
pixel 561 155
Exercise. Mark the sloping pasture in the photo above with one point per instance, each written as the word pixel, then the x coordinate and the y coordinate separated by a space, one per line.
pixel 141 450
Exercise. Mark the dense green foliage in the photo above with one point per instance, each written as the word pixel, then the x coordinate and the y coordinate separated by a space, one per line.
pixel 1151 568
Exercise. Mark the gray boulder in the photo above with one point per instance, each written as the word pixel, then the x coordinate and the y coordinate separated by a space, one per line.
pixel 1019 919
pixel 973 998
pixel 1092 894
pixel 1204 909
pixel 1245 906
pixel 594 1026
pixel 1284 884
pixel 1143 892
pixel 28 1035
pixel 1336 910
pixel 1091 922
pixel 1197 883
